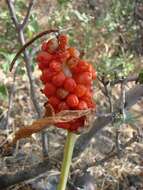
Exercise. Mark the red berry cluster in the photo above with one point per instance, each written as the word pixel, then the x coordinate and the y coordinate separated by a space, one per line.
pixel 67 79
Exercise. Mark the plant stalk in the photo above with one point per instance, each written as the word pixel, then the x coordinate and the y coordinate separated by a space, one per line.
pixel 68 152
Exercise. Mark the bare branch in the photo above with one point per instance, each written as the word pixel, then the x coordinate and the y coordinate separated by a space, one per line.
pixel 125 80
pixel 12 13
pixel 26 57
pixel 106 90
pixel 11 96
pixel 28 68
pixel 25 20
pixel 117 143
pixel 109 96
pixel 27 61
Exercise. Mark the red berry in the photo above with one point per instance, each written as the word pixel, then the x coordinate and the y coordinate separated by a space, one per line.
pixel 84 66
pixel 72 62
pixel 61 56
pixel 46 76
pixel 42 66
pixel 89 101
pixel 51 45
pixel 90 68
pixel 44 46
pixel 80 90
pixel 58 79
pixel 62 93
pixel 49 90
pixel 84 78
pixel 72 101
pixel 68 80
pixel 82 105
pixel 73 52
pixel 55 66
pixel 80 67
pixel 89 94
pixel 54 101
pixel 63 41
pixel 44 57
pixel 73 65
pixel 63 106
pixel 69 84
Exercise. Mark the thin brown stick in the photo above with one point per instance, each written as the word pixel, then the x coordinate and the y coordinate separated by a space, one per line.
pixel 29 43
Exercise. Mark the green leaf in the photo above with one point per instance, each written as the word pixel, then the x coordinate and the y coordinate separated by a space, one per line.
pixel 8 57
pixel 140 77
pixel 3 92
pixel 63 1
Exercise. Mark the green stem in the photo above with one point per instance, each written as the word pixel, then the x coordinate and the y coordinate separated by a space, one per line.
pixel 68 151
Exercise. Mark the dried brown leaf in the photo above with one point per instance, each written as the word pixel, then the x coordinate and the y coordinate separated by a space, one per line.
pixel 40 124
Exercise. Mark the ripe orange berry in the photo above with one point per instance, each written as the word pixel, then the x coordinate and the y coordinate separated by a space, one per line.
pixel 73 52
pixel 80 90
pixel 58 79
pixel 69 84
pixel 72 101
pixel 82 105
pixel 73 65
pixel 61 93
pixel 63 106
pixel 84 66
pixel 90 68
pixel 54 101
pixel 49 90
pixel 55 66
pixel 72 62
pixel 46 76
pixel 44 57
